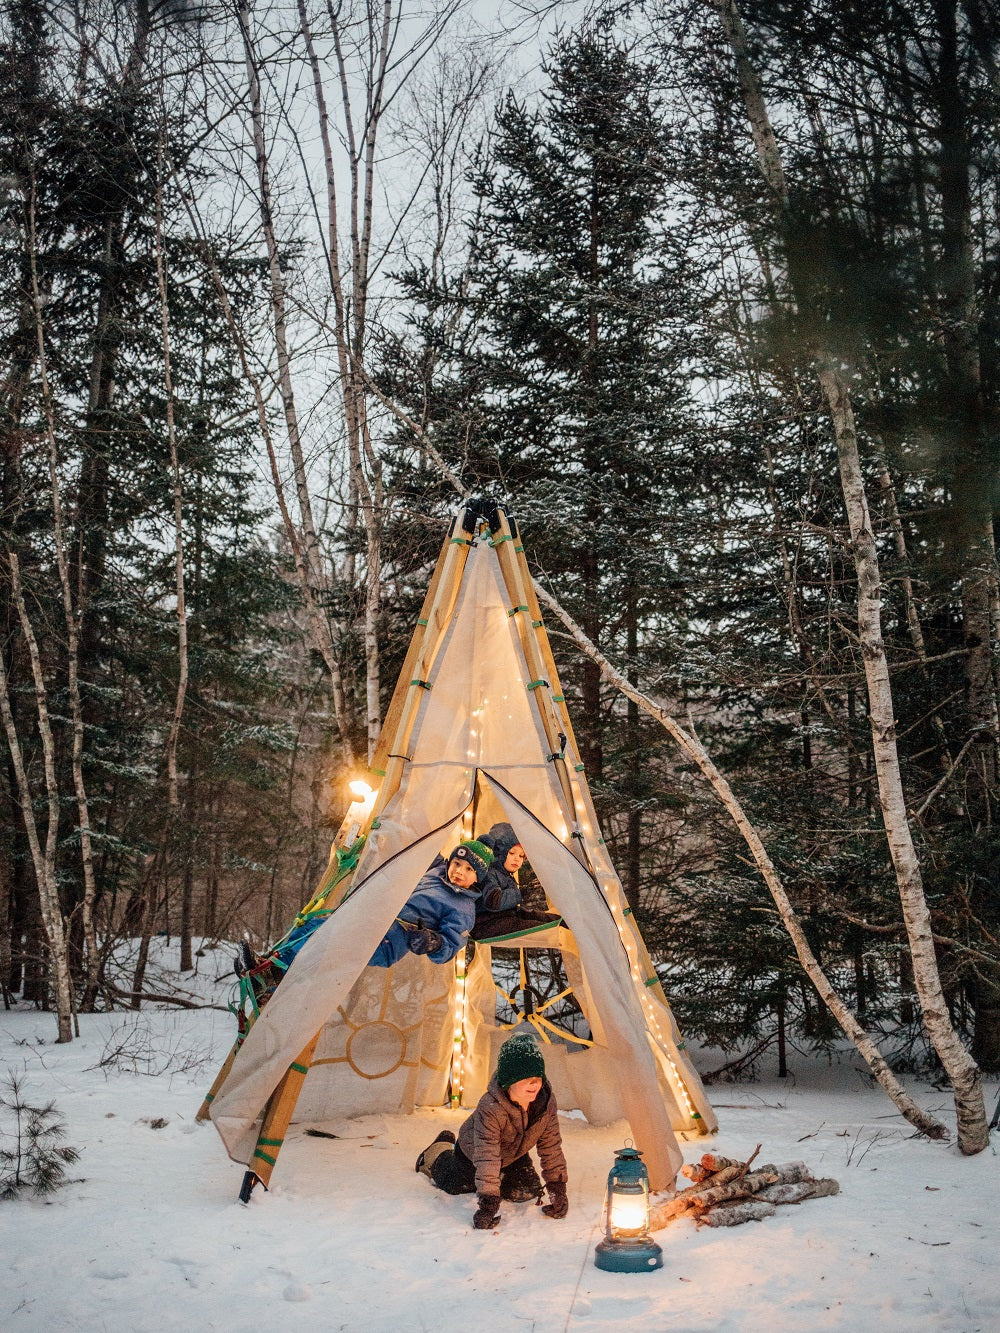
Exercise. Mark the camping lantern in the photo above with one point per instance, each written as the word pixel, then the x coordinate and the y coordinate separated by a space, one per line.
pixel 627 1246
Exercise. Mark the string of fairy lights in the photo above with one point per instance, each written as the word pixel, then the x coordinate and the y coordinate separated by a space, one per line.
pixel 612 893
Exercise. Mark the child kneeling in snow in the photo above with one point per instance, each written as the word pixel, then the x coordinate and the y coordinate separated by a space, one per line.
pixel 516 1113
pixel 436 918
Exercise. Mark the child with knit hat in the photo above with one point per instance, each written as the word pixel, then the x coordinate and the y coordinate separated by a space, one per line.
pixel 500 911
pixel 436 918
pixel 516 1113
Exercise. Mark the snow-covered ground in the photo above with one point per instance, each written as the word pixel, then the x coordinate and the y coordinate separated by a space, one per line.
pixel 149 1235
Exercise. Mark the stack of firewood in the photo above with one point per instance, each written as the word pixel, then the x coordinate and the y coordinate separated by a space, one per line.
pixel 724 1193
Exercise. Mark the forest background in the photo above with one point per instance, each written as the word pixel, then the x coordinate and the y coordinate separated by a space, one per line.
pixel 709 297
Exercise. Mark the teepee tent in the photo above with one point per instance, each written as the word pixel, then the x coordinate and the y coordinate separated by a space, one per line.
pixel 477 731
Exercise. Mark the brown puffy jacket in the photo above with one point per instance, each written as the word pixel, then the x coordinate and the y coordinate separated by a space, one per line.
pixel 499 1132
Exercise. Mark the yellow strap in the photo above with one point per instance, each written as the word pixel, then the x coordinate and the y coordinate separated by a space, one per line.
pixel 539 1022
pixel 555 999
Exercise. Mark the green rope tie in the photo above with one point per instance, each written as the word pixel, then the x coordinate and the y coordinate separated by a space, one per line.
pixel 536 683
pixel 499 541
pixel 519 550
pixel 556 698
pixel 652 981
pixel 514 610
pixel 424 685
pixel 682 1045
pixel 578 768
pixel 379 772
pixel 628 910
pixel 270 1143
pixel 553 757
pixel 695 1115
pixel 209 1096
pixel 300 1069
pixel 423 622
pixel 536 624
pixel 265 1157
pixel 376 823
pixel 461 541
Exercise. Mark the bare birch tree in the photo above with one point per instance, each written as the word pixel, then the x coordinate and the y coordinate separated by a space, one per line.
pixel 834 376
pixel 43 857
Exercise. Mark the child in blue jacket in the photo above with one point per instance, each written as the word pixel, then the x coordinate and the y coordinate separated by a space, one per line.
pixel 436 918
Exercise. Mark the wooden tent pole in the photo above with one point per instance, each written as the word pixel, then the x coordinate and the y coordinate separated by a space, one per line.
pixel 277 1116
pixel 387 764
pixel 519 590
pixel 427 638
pixel 220 1078
pixel 523 592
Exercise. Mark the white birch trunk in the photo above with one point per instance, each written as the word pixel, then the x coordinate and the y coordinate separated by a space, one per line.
pixel 961 1069
pixel 177 495
pixel 43 858
pixel 71 616
pixel 318 625
pixel 311 554
pixel 693 748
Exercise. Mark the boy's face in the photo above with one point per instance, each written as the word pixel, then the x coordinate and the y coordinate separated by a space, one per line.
pixel 461 873
pixel 515 858
pixel 524 1091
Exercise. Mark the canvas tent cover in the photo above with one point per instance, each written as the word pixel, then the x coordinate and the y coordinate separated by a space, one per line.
pixel 477 753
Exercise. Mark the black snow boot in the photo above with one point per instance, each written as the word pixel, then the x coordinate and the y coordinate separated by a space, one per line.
pixel 434 1150
pixel 519 1182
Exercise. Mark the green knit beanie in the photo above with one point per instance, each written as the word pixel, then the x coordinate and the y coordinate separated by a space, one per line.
pixel 519 1058
pixel 475 854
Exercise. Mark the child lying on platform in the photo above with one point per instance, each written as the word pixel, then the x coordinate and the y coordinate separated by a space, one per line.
pixel 516 1113
pixel 500 910
pixel 437 917
pixel 435 920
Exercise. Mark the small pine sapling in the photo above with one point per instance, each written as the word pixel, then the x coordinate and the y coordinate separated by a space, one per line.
pixel 31 1154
